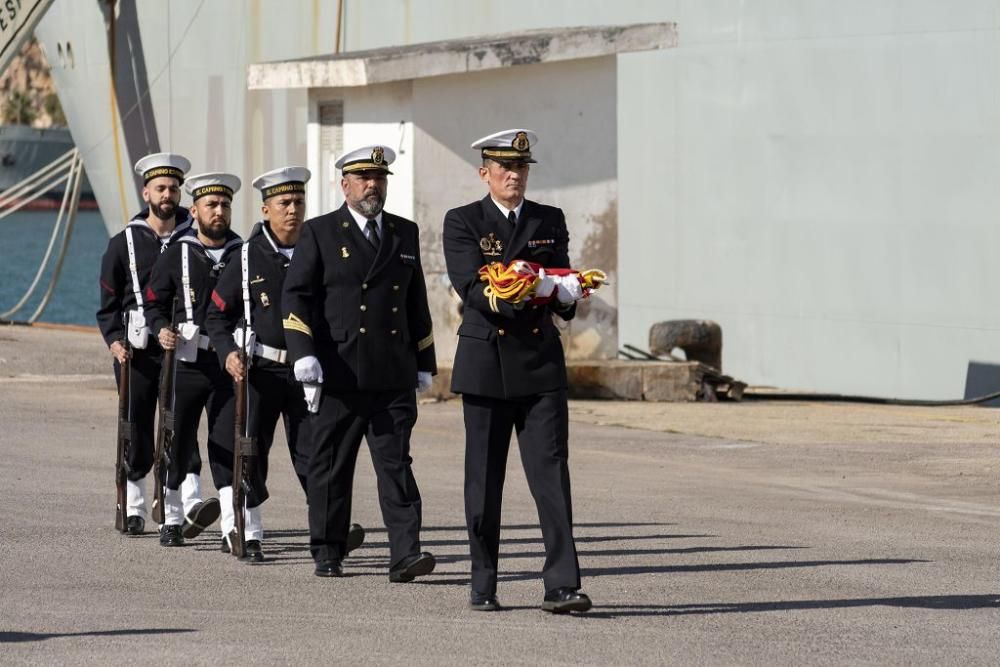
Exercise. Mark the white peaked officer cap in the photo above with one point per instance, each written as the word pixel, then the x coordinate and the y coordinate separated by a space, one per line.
pixel 368 158
pixel 212 183
pixel 282 181
pixel 508 146
pixel 162 164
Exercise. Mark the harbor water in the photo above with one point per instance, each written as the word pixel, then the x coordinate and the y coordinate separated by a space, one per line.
pixel 24 237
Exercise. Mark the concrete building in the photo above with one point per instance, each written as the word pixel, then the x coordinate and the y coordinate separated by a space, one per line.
pixel 817 177
pixel 429 102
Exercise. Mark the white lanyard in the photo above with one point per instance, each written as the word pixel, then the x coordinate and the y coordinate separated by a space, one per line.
pixel 245 257
pixel 186 283
pixel 133 269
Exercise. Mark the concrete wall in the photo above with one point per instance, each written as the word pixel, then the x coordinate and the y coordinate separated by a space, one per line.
pixel 433 121
pixel 818 177
pixel 453 111
pixel 373 115
pixel 828 192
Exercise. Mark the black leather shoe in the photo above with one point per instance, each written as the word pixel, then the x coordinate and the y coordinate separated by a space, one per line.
pixel 564 600
pixel 483 602
pixel 201 517
pixel 329 568
pixel 135 525
pixel 170 536
pixel 355 537
pixel 411 567
pixel 254 553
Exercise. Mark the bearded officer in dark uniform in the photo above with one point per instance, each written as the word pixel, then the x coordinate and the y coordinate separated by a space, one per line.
pixel 252 295
pixel 510 370
pixel 122 317
pixel 180 289
pixel 357 321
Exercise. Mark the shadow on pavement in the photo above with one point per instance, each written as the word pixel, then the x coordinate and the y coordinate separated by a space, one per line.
pixel 462 578
pixel 464 542
pixel 944 602
pixel 9 637
pixel 585 553
pixel 713 567
pixel 302 532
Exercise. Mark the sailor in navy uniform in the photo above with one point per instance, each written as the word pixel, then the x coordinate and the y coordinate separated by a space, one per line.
pixel 121 317
pixel 510 369
pixel 188 270
pixel 357 321
pixel 249 293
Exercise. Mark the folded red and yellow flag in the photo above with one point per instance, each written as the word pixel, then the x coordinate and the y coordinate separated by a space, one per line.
pixel 519 280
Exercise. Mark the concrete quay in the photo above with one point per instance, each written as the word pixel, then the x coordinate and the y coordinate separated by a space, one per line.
pixel 727 533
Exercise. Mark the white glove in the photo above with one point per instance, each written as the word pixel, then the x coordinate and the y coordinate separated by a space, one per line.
pixel 424 381
pixel 307 369
pixel 546 284
pixel 569 289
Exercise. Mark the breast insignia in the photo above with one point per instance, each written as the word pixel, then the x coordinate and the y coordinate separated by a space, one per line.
pixel 264 299
pixel 343 252
pixel 491 245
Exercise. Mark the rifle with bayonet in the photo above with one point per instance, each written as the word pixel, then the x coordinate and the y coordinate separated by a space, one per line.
pixel 123 441
pixel 164 453
pixel 244 445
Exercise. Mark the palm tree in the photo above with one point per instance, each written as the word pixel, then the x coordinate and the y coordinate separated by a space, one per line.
pixel 19 109
pixel 54 109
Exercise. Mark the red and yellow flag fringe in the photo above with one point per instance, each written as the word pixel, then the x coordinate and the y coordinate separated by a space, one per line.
pixel 518 281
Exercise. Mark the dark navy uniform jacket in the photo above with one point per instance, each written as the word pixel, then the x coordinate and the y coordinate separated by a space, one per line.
pixel 166 281
pixel 117 293
pixel 363 315
pixel 267 274
pixel 514 350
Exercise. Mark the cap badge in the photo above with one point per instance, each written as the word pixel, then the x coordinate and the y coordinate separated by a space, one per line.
pixel 520 142
pixel 378 155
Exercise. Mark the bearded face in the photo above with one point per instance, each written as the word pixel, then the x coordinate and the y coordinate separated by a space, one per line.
pixel 365 191
pixel 162 194
pixel 213 214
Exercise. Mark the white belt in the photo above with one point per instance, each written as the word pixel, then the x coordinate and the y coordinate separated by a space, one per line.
pixel 270 353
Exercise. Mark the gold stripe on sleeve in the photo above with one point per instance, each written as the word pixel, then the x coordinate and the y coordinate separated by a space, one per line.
pixel 293 323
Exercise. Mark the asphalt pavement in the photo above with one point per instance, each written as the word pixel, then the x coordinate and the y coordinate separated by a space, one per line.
pixel 745 533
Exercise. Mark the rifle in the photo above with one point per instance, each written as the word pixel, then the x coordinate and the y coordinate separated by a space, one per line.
pixel 124 442
pixel 244 445
pixel 164 454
